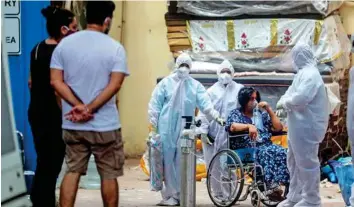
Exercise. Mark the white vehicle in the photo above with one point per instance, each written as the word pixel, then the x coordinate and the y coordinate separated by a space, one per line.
pixel 13 186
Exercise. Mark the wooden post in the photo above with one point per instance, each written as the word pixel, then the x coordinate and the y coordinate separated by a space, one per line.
pixel 172 8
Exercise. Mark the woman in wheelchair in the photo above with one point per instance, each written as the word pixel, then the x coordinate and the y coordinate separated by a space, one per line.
pixel 260 122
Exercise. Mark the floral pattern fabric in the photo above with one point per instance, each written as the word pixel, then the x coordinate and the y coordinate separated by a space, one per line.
pixel 270 156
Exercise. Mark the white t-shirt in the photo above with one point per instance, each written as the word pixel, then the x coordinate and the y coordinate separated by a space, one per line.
pixel 87 59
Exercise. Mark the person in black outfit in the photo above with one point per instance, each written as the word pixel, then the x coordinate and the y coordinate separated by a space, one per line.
pixel 44 111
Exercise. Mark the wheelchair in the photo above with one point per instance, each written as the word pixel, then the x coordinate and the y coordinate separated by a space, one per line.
pixel 226 185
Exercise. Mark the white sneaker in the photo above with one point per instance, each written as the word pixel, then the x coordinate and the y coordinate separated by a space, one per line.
pixel 178 202
pixel 286 203
pixel 168 202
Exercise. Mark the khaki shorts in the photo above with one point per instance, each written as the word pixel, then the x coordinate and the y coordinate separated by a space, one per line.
pixel 107 148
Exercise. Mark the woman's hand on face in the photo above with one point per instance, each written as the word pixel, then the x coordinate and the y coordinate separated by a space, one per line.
pixel 264 105
pixel 252 130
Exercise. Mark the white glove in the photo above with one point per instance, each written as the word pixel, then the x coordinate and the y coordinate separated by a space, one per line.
pixel 205 139
pixel 152 133
pixel 154 136
pixel 220 121
pixel 214 114
pixel 280 105
pixel 280 113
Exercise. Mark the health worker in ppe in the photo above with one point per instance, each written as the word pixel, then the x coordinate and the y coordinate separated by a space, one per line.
pixel 175 96
pixel 306 104
pixel 224 97
pixel 350 121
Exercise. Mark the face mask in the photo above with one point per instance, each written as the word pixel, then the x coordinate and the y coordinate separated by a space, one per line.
pixel 253 105
pixel 69 32
pixel 183 72
pixel 106 31
pixel 225 78
pixel 108 26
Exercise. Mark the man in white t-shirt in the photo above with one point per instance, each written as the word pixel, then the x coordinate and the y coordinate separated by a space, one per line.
pixel 87 71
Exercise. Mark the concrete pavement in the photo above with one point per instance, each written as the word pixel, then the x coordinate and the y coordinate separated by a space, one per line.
pixel 134 191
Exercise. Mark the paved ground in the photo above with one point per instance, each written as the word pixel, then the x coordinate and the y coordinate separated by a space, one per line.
pixel 134 191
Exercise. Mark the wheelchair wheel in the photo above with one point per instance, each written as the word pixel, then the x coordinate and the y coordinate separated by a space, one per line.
pixel 225 178
pixel 255 198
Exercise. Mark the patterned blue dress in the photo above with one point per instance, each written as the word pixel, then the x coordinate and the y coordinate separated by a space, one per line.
pixel 271 157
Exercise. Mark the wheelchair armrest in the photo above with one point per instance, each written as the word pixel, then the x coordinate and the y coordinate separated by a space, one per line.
pixel 240 133
pixel 280 133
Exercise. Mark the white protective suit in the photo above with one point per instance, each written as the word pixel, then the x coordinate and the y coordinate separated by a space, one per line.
pixel 224 95
pixel 176 96
pixel 224 98
pixel 306 104
pixel 350 121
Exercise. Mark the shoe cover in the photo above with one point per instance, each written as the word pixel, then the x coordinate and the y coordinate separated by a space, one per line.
pixel 303 203
pixel 286 203
pixel 169 202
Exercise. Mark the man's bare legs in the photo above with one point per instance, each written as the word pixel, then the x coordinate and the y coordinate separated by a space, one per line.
pixel 68 189
pixel 110 192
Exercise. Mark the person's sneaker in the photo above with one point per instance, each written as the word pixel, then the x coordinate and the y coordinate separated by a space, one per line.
pixel 169 202
pixel 178 202
pixel 286 203
pixel 221 197
pixel 162 203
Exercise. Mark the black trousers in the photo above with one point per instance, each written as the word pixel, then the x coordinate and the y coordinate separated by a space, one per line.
pixel 50 150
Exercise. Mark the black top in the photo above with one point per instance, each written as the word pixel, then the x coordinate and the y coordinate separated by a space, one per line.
pixel 43 109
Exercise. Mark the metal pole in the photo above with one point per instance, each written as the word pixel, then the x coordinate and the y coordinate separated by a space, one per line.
pixel 188 165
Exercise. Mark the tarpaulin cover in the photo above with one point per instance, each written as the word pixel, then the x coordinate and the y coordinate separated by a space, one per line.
pixel 236 8
pixel 264 45
pixel 344 173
